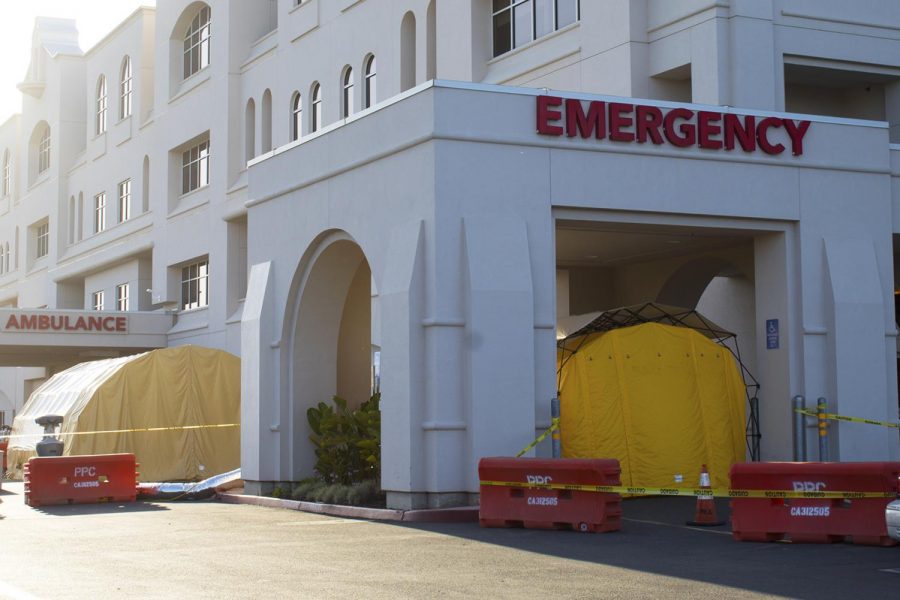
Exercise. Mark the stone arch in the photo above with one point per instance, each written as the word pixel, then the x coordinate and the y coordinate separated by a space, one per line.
pixel 326 336
pixel 686 284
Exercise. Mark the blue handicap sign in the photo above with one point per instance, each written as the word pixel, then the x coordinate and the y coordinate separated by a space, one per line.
pixel 771 334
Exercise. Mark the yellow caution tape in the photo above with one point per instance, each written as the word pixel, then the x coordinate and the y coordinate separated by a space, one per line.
pixel 138 430
pixel 834 417
pixel 554 425
pixel 717 492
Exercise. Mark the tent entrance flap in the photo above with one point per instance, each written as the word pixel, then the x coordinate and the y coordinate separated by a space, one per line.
pixel 664 399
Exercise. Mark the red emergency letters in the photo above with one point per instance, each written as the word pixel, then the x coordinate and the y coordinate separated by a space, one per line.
pixel 680 127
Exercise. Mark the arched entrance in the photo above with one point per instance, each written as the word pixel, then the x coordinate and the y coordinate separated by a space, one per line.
pixel 329 335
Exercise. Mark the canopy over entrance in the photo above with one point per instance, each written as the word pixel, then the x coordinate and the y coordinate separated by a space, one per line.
pixel 62 338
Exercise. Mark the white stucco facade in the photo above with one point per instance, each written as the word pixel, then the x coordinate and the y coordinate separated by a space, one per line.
pixel 437 225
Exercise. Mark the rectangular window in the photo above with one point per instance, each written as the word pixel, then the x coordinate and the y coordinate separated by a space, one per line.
pixel 195 285
pixel 124 201
pixel 43 241
pixel 195 167
pixel 99 212
pixel 97 300
pixel 122 297
pixel 518 22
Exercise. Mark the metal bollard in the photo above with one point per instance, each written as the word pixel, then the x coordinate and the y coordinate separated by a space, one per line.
pixel 799 403
pixel 555 437
pixel 821 409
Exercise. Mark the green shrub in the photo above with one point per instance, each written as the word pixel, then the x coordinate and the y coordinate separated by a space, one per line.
pixel 347 442
pixel 364 493
pixel 304 490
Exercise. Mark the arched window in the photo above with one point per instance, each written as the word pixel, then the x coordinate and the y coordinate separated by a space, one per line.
pixel 44 151
pixel 71 221
pixel 145 185
pixel 369 98
pixel 265 126
pixel 196 43
pixel 316 122
pixel 126 81
pixel 100 121
pixel 250 130
pixel 347 92
pixel 296 116
pixel 408 52
pixel 431 42
pixel 6 174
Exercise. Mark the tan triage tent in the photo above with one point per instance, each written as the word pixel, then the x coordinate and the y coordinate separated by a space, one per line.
pixel 660 398
pixel 185 385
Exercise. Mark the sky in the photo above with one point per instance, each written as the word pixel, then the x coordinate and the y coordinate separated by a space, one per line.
pixel 94 19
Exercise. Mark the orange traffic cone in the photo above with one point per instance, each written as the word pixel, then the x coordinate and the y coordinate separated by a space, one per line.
pixel 705 515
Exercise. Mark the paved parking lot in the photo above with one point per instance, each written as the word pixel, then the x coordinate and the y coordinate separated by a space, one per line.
pixel 217 550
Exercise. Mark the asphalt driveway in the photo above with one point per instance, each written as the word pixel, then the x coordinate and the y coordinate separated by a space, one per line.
pixel 217 550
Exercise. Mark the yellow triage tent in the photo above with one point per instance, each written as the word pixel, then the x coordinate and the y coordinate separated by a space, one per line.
pixel 185 385
pixel 658 394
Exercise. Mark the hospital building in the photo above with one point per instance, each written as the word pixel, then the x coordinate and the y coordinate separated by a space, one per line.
pixel 416 193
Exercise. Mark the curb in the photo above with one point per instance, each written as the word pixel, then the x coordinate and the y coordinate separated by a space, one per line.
pixel 465 514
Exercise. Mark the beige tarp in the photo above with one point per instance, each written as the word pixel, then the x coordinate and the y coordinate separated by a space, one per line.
pixel 185 385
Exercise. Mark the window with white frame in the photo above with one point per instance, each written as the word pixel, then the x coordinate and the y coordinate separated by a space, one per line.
pixel 44 151
pixel 97 300
pixel 296 116
pixel 101 104
pixel 6 255
pixel 195 285
pixel 316 122
pixel 347 88
pixel 6 174
pixel 122 297
pixel 42 241
pixel 517 22
pixel 196 43
pixel 195 167
pixel 126 83
pixel 100 212
pixel 3 262
pixel 369 83
pixel 124 212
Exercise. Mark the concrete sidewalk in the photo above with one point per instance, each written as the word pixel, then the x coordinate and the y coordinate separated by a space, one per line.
pixel 465 514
